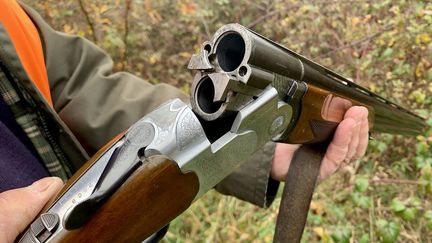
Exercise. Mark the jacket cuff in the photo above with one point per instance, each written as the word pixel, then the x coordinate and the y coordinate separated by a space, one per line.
pixel 252 182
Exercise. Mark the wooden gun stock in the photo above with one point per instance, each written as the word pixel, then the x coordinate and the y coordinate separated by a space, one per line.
pixel 153 195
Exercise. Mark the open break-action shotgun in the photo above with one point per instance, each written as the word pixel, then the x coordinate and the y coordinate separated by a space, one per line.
pixel 247 91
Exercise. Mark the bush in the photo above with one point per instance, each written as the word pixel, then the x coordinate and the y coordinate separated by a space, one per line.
pixel 383 45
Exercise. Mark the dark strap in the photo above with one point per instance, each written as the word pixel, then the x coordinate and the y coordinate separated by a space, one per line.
pixel 297 195
pixel 157 237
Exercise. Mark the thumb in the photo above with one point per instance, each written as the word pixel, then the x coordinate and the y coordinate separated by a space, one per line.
pixel 18 207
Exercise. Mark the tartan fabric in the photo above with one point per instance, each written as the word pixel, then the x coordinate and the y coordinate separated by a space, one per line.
pixel 31 122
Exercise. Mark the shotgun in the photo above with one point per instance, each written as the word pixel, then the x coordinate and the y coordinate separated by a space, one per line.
pixel 248 90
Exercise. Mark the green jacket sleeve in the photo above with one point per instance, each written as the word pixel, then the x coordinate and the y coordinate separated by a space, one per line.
pixel 97 103
pixel 251 181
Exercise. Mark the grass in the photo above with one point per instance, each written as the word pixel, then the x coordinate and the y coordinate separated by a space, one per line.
pixel 383 45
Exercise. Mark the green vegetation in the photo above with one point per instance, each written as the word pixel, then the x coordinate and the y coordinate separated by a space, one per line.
pixel 384 45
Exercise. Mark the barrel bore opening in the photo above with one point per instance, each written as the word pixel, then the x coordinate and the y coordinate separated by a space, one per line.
pixel 230 51
pixel 207 48
pixel 242 71
pixel 204 96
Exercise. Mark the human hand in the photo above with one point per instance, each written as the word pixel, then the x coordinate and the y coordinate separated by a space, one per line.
pixel 349 143
pixel 19 207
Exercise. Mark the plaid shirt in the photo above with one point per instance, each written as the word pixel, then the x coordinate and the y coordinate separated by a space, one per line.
pixel 33 123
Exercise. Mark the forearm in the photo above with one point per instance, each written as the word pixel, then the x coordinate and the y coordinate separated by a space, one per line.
pixel 252 181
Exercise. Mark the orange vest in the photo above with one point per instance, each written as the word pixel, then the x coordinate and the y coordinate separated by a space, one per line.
pixel 27 43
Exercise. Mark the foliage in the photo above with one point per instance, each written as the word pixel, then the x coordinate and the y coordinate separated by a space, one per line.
pixel 384 45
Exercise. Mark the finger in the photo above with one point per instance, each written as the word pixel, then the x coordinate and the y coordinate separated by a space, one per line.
pixel 363 136
pixel 357 113
pixel 282 160
pixel 338 148
pixel 19 207
pixel 352 147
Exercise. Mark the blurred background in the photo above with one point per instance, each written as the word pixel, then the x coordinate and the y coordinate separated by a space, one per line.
pixel 384 45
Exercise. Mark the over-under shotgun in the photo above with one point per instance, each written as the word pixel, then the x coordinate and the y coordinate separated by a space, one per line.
pixel 247 91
